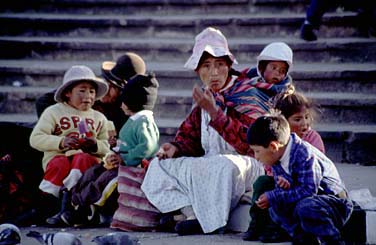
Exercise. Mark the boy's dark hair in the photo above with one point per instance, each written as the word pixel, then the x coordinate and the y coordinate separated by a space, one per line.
pixel 140 93
pixel 292 102
pixel 268 128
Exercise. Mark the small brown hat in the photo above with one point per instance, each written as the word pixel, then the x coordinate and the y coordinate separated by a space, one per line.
pixel 124 69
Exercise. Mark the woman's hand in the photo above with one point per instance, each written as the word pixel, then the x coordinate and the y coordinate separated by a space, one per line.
pixel 167 150
pixel 205 100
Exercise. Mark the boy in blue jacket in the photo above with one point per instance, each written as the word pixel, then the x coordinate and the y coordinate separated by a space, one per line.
pixel 315 206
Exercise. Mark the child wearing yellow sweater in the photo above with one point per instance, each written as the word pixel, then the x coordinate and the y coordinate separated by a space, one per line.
pixel 71 134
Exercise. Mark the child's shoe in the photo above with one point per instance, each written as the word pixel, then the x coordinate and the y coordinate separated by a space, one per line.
pixel 74 217
pixel 307 32
pixel 257 224
pixel 332 241
pixel 270 232
pixel 253 232
pixel 306 239
pixel 250 235
pixel 55 221
pixel 274 235
pixel 65 206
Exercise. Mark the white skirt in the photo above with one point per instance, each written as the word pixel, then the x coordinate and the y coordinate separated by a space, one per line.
pixel 212 185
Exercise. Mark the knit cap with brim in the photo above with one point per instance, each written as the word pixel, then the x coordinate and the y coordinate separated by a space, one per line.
pixel 124 69
pixel 140 93
pixel 276 51
pixel 80 73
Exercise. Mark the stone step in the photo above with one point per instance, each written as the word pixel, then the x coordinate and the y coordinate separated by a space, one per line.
pixel 171 26
pixel 165 7
pixel 343 142
pixel 308 77
pixel 356 108
pixel 179 49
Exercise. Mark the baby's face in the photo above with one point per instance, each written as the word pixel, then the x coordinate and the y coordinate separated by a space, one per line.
pixel 275 71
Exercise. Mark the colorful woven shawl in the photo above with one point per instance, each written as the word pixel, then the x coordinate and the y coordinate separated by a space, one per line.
pixel 250 96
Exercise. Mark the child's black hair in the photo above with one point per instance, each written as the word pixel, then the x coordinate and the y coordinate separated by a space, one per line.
pixel 268 128
pixel 292 102
pixel 140 92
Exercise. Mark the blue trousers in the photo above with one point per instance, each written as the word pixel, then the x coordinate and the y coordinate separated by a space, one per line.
pixel 321 215
pixel 318 8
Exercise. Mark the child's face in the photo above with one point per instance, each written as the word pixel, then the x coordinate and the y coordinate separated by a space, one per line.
pixel 275 71
pixel 213 73
pixel 300 122
pixel 126 110
pixel 82 96
pixel 266 155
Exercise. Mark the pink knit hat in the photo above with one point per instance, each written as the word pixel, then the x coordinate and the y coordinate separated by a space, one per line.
pixel 212 41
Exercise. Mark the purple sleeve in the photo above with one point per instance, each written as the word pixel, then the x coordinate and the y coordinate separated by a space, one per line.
pixel 314 139
pixel 306 183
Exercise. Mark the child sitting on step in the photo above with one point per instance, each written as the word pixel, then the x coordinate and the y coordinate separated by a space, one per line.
pixel 309 200
pixel 298 111
pixel 138 140
pixel 68 153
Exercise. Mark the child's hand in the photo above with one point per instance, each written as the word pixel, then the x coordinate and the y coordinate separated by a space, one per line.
pixel 70 143
pixel 262 202
pixel 88 145
pixel 112 161
pixel 283 183
pixel 167 150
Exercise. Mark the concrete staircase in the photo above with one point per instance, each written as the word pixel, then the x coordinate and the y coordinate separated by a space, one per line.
pixel 40 39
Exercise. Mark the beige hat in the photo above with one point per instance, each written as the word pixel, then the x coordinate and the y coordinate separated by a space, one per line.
pixel 212 41
pixel 81 73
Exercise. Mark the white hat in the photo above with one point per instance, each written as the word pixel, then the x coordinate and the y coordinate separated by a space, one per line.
pixel 278 51
pixel 77 74
pixel 212 41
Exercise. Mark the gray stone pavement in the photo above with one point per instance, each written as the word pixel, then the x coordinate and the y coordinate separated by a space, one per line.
pixel 355 177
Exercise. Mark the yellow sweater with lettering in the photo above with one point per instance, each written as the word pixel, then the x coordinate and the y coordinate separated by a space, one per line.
pixel 61 120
